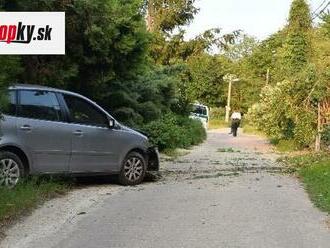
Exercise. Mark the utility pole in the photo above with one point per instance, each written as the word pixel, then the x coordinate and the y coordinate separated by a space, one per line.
pixel 230 78
pixel 318 135
pixel 267 76
pixel 228 100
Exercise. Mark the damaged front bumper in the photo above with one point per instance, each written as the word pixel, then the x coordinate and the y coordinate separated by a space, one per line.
pixel 153 159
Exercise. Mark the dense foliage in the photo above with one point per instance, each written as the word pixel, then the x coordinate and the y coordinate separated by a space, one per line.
pixel 10 68
pixel 207 84
pixel 165 16
pixel 282 78
pixel 172 131
pixel 106 46
pixel 288 108
pixel 297 47
pixel 326 136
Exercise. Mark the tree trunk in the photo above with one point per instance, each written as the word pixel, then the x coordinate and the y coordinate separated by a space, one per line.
pixel 150 16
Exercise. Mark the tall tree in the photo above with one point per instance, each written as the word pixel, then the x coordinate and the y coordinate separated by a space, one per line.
pixel 297 49
pixel 288 110
pixel 206 79
pixel 242 48
pixel 165 15
pixel 106 58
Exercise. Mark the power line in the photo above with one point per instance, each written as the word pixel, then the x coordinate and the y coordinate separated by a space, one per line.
pixel 314 12
pixel 322 11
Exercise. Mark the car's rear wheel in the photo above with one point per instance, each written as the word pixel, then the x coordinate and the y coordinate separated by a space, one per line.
pixel 11 169
pixel 133 169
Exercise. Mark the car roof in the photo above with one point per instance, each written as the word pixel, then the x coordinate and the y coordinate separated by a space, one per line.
pixel 40 87
pixel 46 88
pixel 199 105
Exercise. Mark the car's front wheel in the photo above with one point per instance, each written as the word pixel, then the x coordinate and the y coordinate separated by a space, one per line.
pixel 11 169
pixel 133 169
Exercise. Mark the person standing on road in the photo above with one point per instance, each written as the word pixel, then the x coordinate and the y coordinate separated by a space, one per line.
pixel 236 118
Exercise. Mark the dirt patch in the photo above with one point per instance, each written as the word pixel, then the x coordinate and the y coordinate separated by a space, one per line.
pixel 327 222
pixel 219 174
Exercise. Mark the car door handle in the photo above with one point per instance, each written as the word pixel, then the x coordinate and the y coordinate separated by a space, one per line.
pixel 26 128
pixel 78 133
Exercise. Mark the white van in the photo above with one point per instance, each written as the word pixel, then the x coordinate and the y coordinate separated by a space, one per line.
pixel 201 112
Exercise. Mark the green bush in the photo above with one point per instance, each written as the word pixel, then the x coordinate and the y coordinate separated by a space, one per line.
pixel 173 131
pixel 217 113
pixel 218 124
pixel 286 145
pixel 326 136
pixel 279 114
pixel 128 116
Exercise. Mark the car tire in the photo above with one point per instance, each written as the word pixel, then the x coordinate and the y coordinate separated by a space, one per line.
pixel 133 169
pixel 11 169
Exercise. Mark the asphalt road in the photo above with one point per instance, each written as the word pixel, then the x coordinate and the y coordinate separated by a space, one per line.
pixel 228 192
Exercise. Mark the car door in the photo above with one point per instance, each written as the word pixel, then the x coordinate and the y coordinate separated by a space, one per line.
pixel 94 144
pixel 43 132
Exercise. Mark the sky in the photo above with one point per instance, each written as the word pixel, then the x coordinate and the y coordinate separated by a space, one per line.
pixel 259 18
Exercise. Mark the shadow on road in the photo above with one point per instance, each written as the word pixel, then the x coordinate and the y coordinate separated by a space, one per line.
pixel 110 180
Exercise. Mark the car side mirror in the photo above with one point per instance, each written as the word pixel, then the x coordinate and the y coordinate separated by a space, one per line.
pixel 112 123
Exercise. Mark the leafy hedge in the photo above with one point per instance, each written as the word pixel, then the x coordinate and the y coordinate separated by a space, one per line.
pixel 217 113
pixel 173 131
pixel 326 136
pixel 282 113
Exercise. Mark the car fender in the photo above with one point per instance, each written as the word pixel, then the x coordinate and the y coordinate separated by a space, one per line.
pixel 23 149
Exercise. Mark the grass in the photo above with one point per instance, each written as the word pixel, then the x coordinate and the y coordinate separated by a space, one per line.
pixel 229 174
pixel 314 171
pixel 229 150
pixel 27 195
pixel 249 129
pixel 175 153
pixel 218 124
pixel 284 145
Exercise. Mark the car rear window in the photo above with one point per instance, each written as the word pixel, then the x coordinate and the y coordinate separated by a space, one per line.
pixel 39 104
pixel 199 110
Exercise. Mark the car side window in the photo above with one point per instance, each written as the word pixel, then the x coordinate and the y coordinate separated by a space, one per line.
pixel 82 112
pixel 39 104
pixel 10 104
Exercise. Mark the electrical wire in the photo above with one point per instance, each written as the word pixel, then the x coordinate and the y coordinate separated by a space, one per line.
pixel 314 12
pixel 316 15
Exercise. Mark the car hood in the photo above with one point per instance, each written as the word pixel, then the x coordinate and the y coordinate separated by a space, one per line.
pixel 135 131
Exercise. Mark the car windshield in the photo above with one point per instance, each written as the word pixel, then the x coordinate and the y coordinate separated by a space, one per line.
pixel 199 110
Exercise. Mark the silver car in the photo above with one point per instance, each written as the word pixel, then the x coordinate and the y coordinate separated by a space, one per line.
pixel 51 131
